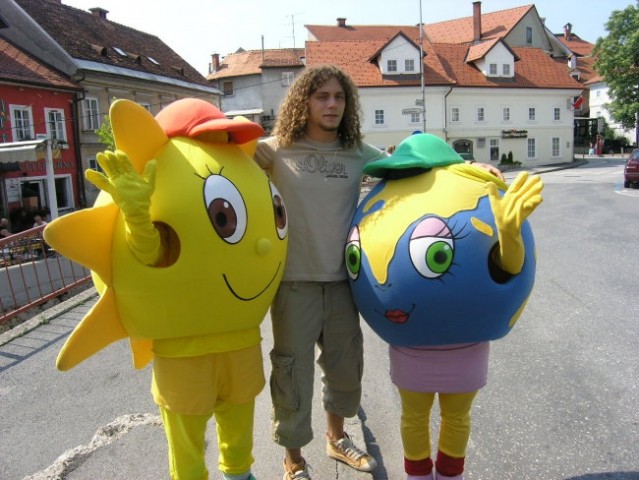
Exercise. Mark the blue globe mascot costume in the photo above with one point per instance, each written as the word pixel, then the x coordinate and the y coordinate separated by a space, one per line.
pixel 441 260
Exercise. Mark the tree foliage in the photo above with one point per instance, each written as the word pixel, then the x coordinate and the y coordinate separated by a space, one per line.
pixel 105 134
pixel 617 61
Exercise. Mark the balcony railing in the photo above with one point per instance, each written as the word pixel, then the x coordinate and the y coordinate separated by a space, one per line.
pixel 32 273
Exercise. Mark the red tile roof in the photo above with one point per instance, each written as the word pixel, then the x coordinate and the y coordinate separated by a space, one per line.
pixel 354 57
pixel 334 33
pixel 17 65
pixel 586 67
pixel 493 25
pixel 576 45
pixel 445 65
pixel 86 36
pixel 252 62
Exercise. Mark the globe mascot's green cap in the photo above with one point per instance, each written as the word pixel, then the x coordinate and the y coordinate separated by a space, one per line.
pixel 416 154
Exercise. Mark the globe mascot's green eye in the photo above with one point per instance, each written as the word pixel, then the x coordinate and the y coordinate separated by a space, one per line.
pixel 439 257
pixel 353 256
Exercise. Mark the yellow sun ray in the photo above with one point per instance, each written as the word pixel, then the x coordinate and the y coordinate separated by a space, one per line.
pixel 99 328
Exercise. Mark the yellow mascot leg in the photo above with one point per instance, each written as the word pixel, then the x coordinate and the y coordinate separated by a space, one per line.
pixel 415 423
pixel 455 425
pixel 235 436
pixel 185 435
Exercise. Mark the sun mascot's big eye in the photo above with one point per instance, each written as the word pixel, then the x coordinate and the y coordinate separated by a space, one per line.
pixel 353 254
pixel 281 218
pixel 226 208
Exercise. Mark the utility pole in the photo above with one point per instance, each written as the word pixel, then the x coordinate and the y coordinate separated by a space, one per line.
pixel 421 66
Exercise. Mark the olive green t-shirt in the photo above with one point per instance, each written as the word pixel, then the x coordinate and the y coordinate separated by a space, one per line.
pixel 320 184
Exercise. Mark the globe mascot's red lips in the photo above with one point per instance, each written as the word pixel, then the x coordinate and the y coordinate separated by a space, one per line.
pixel 396 316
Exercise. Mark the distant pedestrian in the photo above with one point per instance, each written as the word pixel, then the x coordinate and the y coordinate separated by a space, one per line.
pixel 4 228
pixel 38 221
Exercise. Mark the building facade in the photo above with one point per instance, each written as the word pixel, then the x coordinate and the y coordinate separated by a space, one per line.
pixel 37 142
pixel 108 60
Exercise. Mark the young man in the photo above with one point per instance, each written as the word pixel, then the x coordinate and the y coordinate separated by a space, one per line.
pixel 315 158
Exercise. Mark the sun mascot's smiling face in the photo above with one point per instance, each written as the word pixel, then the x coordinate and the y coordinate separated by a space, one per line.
pixel 224 223
pixel 419 253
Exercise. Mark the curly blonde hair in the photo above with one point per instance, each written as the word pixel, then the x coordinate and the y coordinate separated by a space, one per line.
pixel 293 114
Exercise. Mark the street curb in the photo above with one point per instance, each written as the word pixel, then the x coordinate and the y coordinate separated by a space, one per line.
pixel 47 315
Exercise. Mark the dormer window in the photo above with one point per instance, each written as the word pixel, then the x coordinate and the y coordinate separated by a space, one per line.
pixel 492 69
pixel 505 70
pixel 391 65
pixel 409 65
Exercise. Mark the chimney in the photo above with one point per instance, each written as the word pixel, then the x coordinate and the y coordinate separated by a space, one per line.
pixel 567 31
pixel 215 62
pixel 476 21
pixel 341 22
pixel 99 12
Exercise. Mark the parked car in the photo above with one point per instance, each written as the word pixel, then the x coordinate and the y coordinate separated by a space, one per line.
pixel 631 170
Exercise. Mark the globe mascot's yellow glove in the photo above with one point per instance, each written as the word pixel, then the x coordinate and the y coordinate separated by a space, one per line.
pixel 510 211
pixel 132 193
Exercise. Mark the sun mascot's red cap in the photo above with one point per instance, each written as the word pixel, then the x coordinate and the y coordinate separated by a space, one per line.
pixel 191 117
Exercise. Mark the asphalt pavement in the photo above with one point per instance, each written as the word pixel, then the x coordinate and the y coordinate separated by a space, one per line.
pixel 98 420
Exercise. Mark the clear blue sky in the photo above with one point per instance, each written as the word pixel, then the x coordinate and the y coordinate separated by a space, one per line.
pixel 197 28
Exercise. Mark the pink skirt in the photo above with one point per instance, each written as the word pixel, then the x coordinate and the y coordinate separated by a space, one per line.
pixel 447 368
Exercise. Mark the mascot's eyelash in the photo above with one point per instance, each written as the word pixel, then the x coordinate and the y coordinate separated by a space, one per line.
pixel 210 173
pixel 458 234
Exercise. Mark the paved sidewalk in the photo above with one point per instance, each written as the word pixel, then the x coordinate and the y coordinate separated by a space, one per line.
pixel 98 420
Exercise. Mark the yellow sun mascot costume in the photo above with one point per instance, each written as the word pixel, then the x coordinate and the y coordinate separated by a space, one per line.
pixel 186 243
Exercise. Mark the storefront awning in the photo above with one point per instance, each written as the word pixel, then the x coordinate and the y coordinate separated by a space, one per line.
pixel 23 151
pixel 30 151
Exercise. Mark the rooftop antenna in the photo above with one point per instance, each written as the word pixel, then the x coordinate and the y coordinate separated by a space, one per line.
pixel 293 24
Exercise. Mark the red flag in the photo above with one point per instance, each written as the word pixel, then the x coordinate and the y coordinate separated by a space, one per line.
pixel 579 102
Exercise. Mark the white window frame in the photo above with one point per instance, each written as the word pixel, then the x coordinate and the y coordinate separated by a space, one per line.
pixel 555 147
pixel 287 78
pixel 505 69
pixel 505 114
pixel 63 185
pixel 531 148
pixel 94 165
pixel 21 123
pixel 415 117
pixel 391 65
pixel 492 69
pixel 56 128
pixel 91 114
pixel 556 115
pixel 480 114
pixel 409 65
pixel 455 115
pixel 494 144
pixel 379 117
pixel 532 114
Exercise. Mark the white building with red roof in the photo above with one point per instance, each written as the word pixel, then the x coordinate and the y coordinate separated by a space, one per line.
pixel 493 83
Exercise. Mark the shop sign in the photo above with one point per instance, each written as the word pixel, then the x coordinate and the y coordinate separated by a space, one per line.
pixel 514 133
